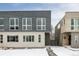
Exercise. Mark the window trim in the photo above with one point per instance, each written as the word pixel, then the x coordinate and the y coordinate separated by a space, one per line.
pixel 2 24
pixel 75 27
pixel 26 23
pixel 28 38
pixel 42 19
pixel 14 23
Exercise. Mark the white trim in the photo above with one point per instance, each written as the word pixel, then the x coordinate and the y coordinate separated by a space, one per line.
pixel 27 36
pixel 2 18
pixel 41 23
pixel 3 28
pixel 26 23
pixel 2 25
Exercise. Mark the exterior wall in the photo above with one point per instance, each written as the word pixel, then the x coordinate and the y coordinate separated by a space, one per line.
pixel 23 14
pixel 66 27
pixel 57 34
pixel 20 37
pixel 75 40
pixel 65 40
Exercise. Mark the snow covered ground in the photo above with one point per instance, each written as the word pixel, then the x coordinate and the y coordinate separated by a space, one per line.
pixel 58 50
pixel 24 52
pixel 62 51
pixel 74 49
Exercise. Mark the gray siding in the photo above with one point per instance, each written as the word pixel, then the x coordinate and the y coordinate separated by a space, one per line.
pixel 21 14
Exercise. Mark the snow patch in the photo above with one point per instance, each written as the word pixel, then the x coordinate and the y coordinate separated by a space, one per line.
pixel 24 52
pixel 62 51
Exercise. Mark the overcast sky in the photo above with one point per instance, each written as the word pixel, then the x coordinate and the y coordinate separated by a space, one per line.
pixel 57 10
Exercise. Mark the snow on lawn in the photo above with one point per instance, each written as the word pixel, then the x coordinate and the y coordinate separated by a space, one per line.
pixel 24 52
pixel 62 51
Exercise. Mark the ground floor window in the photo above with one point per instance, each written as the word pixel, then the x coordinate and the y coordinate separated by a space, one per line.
pixel 1 38
pixel 28 38
pixel 39 38
pixel 12 38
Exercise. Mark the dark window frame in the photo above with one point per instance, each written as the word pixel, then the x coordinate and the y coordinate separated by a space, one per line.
pixel 12 38
pixel 1 38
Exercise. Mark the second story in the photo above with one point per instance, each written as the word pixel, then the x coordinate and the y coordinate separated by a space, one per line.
pixel 25 21
pixel 70 22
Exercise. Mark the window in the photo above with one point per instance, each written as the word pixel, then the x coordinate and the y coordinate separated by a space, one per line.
pixel 27 23
pixel 32 38
pixel 28 38
pixel 13 23
pixel 75 23
pixel 12 38
pixel 39 38
pixel 1 38
pixel 41 24
pixel 1 23
pixel 72 24
pixel 76 37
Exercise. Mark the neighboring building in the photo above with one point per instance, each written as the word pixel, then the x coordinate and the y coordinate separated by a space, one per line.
pixel 67 30
pixel 52 43
pixel 25 28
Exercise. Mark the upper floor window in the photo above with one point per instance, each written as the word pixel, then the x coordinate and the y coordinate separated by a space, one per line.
pixel 75 23
pixel 13 23
pixel 72 24
pixel 27 23
pixel 1 23
pixel 41 23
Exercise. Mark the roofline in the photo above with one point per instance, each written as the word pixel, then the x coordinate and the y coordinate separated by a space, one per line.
pixel 72 12
pixel 60 21
pixel 22 10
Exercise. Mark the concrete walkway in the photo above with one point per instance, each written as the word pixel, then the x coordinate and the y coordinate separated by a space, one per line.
pixel 50 51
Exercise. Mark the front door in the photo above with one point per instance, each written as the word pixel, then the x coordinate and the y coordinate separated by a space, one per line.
pixel 69 39
pixel 47 39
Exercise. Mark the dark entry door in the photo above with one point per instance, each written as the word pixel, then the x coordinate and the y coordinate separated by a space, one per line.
pixel 69 39
pixel 47 38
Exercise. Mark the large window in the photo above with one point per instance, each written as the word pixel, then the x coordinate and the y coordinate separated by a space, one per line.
pixel 28 38
pixel 1 38
pixel 1 23
pixel 41 23
pixel 75 24
pixel 12 38
pixel 13 23
pixel 27 23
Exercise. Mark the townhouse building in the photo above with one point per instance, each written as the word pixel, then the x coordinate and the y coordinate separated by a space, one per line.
pixel 25 28
pixel 67 30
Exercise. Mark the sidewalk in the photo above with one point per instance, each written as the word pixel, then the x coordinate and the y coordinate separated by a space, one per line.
pixel 62 51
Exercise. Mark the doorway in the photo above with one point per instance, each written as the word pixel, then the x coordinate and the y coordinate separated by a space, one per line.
pixel 69 39
pixel 47 38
